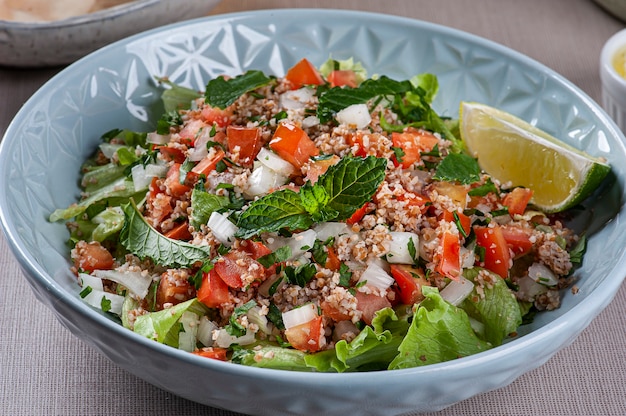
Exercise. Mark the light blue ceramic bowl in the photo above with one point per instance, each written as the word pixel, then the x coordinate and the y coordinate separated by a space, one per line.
pixel 60 125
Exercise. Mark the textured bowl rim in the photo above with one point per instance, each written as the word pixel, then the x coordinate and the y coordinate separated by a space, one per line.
pixel 597 300
pixel 83 19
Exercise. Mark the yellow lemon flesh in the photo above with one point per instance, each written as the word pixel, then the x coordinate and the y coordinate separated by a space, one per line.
pixel 517 153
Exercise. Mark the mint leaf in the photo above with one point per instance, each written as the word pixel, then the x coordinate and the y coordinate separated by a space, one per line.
pixel 221 92
pixel 458 167
pixel 300 275
pixel 203 204
pixel 144 241
pixel 278 256
pixel 351 183
pixel 280 209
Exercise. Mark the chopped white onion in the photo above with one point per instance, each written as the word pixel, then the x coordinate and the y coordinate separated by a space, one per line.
pixel 399 252
pixel 542 275
pixel 155 138
pixel 94 298
pixel 357 115
pixel 157 169
pixel 457 290
pixel 91 281
pixel 255 317
pixel 376 276
pixel 262 181
pixel 275 162
pixel 296 99
pixel 299 243
pixel 529 289
pixel 137 282
pixel 109 149
pixel 468 258
pixel 310 121
pixel 223 339
pixel 325 230
pixel 205 331
pixel 142 176
pixel 223 230
pixel 187 337
pixel 299 316
pixel 200 150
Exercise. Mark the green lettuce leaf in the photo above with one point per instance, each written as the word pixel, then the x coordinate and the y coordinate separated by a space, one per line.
pixel 439 332
pixel 497 308
pixel 163 326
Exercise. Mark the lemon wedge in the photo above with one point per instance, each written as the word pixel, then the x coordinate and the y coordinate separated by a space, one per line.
pixel 513 151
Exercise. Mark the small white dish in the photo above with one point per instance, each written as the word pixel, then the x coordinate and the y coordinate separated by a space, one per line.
pixel 614 84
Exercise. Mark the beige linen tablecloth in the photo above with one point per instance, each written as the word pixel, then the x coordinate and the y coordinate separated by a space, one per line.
pixel 46 371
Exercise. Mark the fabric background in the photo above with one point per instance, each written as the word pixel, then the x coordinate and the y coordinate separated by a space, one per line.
pixel 46 371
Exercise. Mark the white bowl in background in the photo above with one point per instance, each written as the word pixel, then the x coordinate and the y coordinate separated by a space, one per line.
pixel 36 44
pixel 613 84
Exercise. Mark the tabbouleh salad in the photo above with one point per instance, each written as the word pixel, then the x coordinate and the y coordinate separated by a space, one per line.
pixel 321 221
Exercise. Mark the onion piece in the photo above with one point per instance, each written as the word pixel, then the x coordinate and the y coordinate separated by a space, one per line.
pixel 357 115
pixel 187 337
pixel 275 162
pixel 223 230
pixel 262 181
pixel 529 289
pixel 255 317
pixel 310 121
pixel 457 290
pixel 156 138
pixel 137 282
pixel 205 331
pixel 299 243
pixel 91 281
pixel 224 340
pixel 200 150
pixel 296 99
pixel 541 274
pixel 299 316
pixel 325 230
pixel 376 276
pixel 94 298
pixel 399 252
pixel 109 149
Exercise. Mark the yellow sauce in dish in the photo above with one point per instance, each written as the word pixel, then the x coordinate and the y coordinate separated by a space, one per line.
pixel 619 62
pixel 51 10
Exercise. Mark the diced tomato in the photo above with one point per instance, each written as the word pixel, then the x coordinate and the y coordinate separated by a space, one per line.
pixel 180 232
pixel 342 77
pixel 332 312
pixel 215 115
pixel 213 290
pixel 308 337
pixel 410 281
pixel 464 220
pixel 497 256
pixel 92 256
pixel 173 289
pixel 450 262
pixel 369 304
pixel 303 73
pixel 517 200
pixel 189 133
pixel 158 204
pixel 172 181
pixel 332 260
pixel 255 249
pixel 232 266
pixel 172 153
pixel 358 140
pixel 248 139
pixel 517 239
pixel 318 167
pixel 208 164
pixel 413 143
pixel 457 193
pixel 293 144
pixel 417 200
pixel 215 353
pixel 358 214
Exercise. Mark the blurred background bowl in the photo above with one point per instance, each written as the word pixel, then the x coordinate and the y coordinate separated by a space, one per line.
pixel 616 7
pixel 59 42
